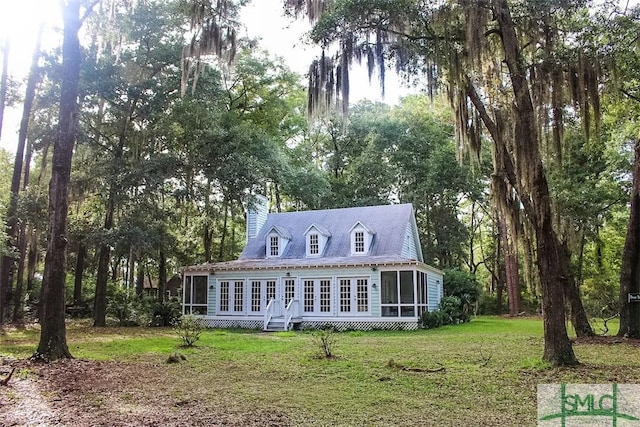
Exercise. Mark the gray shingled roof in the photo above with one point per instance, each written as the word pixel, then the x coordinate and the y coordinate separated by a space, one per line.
pixel 388 222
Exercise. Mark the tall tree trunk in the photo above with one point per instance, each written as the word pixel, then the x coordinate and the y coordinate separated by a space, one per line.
pixel 510 267
pixel 630 269
pixel 521 161
pixel 162 276
pixel 53 337
pixel 223 237
pixel 579 317
pixel 557 347
pixel 500 277
pixel 140 280
pixel 3 80
pixel 102 275
pixel 131 268
pixel 32 259
pixel 18 297
pixel 13 226
pixel 77 284
pixel 208 232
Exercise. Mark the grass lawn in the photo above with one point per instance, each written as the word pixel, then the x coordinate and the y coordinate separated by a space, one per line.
pixel 491 369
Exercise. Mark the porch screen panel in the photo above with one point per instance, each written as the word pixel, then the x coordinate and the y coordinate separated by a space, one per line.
pixel 407 307
pixel 308 296
pixel 199 301
pixel 362 294
pixel 238 296
pixel 256 296
pixel 224 296
pixel 345 295
pixel 187 290
pixel 389 294
pixel 325 296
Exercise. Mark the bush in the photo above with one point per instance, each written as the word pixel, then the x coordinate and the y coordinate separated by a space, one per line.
pixel 189 328
pixel 128 309
pixel 432 319
pixel 325 340
pixel 450 311
pixel 461 284
pixel 165 313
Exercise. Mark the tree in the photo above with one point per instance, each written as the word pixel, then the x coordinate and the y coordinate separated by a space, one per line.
pixel 492 68
pixel 53 340
pixel 15 227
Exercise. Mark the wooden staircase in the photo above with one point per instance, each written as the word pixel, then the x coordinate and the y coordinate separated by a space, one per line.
pixel 276 324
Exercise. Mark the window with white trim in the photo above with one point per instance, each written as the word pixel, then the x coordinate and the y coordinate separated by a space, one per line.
pixel 274 246
pixel 359 242
pixel 314 244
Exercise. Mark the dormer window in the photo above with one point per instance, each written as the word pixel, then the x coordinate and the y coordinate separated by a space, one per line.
pixel 361 238
pixel 314 246
pixel 276 241
pixel 274 246
pixel 358 242
pixel 316 238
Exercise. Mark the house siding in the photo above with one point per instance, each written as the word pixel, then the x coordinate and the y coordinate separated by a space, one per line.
pixel 409 249
pixel 211 297
pixel 434 291
pixel 257 217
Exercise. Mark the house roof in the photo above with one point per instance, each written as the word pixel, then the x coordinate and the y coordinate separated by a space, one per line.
pixel 390 223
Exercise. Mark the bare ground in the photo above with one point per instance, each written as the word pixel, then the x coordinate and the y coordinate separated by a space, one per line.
pixel 95 393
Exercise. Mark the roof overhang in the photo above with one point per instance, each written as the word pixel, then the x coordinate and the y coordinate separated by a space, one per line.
pixel 307 264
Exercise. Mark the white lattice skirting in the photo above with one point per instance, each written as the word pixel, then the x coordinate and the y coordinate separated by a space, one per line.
pixel 338 325
pixel 231 324
pixel 362 326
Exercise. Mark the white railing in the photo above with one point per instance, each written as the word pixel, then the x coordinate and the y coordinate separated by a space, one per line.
pixel 269 312
pixel 290 312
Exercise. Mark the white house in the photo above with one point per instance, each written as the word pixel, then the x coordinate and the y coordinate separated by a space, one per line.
pixel 352 268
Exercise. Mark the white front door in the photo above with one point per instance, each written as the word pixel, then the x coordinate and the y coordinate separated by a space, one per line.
pixel 316 297
pixel 286 292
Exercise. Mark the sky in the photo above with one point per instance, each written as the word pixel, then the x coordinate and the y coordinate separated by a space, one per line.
pixel 264 19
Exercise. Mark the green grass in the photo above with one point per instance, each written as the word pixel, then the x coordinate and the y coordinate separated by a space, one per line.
pixel 491 368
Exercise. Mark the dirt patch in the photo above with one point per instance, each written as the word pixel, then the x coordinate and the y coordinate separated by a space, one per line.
pixel 607 340
pixel 97 393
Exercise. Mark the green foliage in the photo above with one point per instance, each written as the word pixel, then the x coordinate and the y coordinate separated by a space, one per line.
pixel 463 286
pixel 189 329
pixel 127 308
pixel 432 319
pixel 451 311
pixel 166 313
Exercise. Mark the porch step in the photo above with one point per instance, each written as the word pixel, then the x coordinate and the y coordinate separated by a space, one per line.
pixel 276 324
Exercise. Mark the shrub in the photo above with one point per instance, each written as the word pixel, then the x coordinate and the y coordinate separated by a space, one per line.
pixel 461 284
pixel 325 340
pixel 452 311
pixel 431 319
pixel 127 308
pixel 189 328
pixel 165 313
